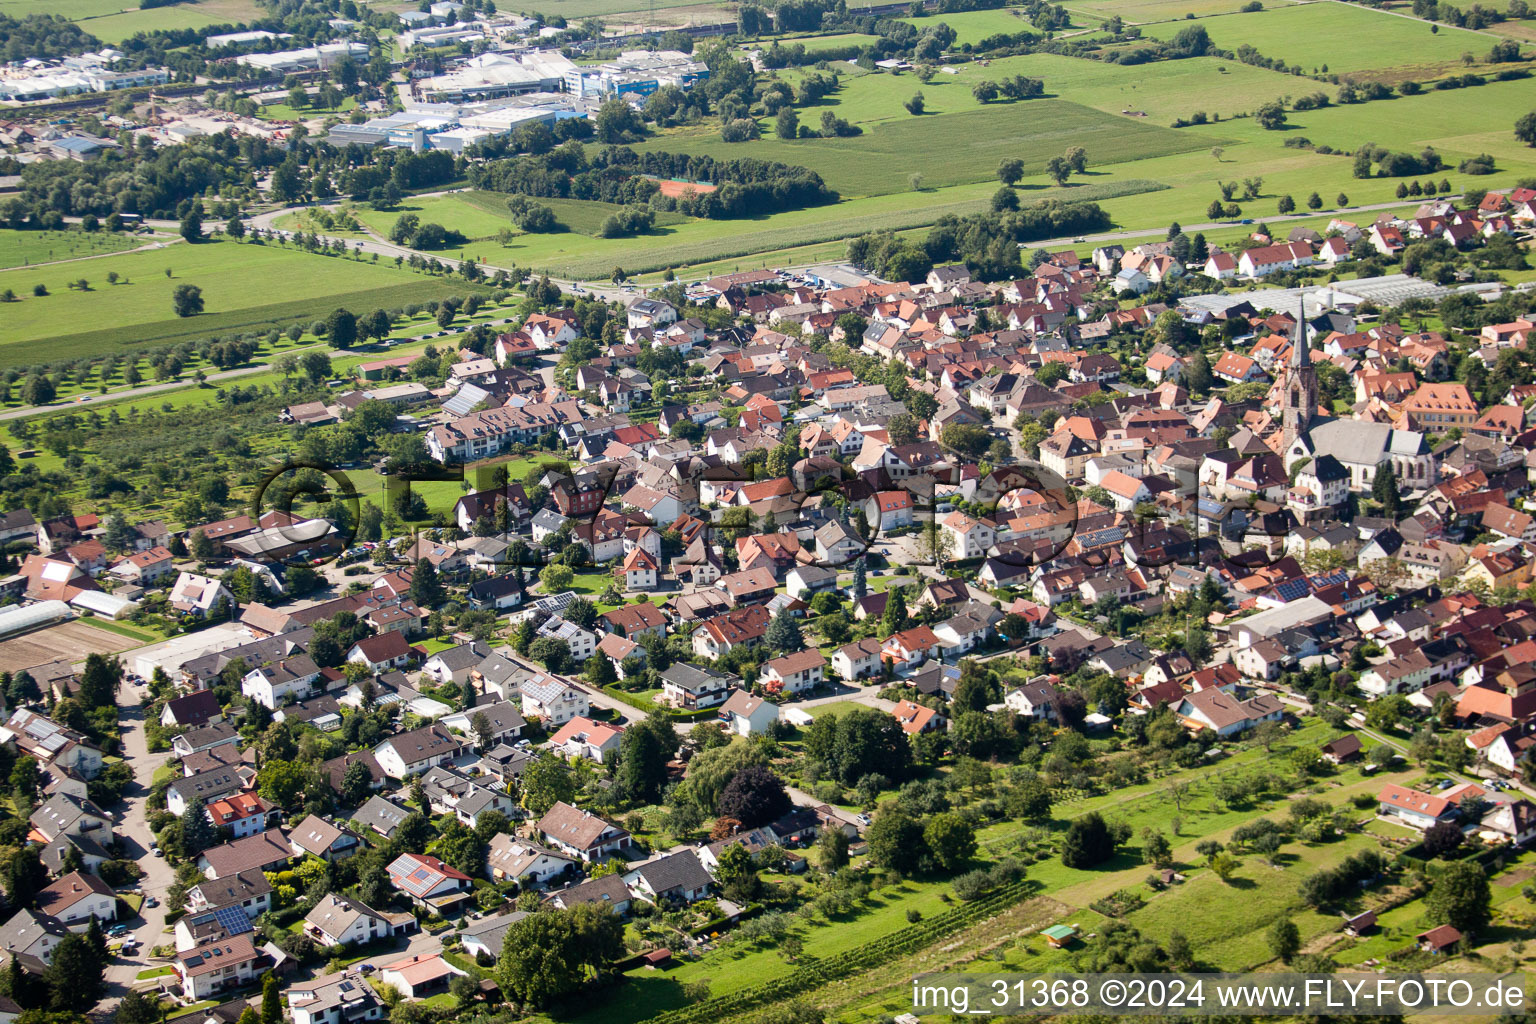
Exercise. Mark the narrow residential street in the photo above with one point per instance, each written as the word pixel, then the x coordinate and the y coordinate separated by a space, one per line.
pixel 133 827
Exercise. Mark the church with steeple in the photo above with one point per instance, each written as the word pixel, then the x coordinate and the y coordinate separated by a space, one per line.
pixel 1359 447
pixel 1299 405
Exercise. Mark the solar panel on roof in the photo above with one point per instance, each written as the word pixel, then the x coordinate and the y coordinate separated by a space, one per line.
pixel 233 920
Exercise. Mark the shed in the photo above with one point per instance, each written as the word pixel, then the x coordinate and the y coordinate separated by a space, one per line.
pixel 1058 935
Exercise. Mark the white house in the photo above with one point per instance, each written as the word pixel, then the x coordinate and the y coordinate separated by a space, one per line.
pixel 582 642
pixel 412 753
pixel 344 998
pixel 794 673
pixel 518 860
pixel 281 682
pixel 76 898
pixel 338 921
pixel 858 659
pixel 745 715
pixel 968 537
pixel 552 700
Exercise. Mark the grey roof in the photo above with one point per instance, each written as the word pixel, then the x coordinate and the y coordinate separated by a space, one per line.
pixel 497 667
pixel 679 871
pixel 695 678
pixel 491 931
pixel 231 889
pixel 25 928
pixel 381 815
pixel 464 656
pixel 62 811
pixel 502 715
pixel 209 785
pixel 208 735
pixel 1355 442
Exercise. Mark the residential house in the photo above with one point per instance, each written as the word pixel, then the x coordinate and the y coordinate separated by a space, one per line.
pixel 581 834
pixel 794 673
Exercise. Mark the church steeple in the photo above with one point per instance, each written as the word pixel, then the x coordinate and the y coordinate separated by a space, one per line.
pixel 1300 355
pixel 1300 401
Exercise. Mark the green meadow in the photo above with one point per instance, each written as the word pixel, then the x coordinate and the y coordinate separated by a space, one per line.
pixel 29 248
pixel 245 288
pixel 959 148
pixel 974 26
pixel 112 21
pixel 1143 11
pixel 1343 36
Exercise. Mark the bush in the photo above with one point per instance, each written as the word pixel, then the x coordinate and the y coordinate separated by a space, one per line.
pixel 741 129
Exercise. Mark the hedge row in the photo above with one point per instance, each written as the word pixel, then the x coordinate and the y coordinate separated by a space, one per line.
pixel 863 958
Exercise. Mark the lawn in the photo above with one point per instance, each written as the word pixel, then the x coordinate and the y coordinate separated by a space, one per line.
pixel 836 709
pixel 1345 37
pixel 283 112
pixel 66 324
pixel 24 248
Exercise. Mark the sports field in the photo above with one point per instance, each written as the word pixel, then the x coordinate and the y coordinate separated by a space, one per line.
pixel 1342 37
pixel 245 288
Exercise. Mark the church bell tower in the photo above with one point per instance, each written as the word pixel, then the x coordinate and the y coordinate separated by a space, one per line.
pixel 1300 402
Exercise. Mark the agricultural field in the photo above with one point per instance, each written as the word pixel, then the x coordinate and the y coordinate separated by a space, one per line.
pixel 29 248
pixel 112 21
pixel 959 148
pixel 295 285
pixel 1344 37
pixel 1140 12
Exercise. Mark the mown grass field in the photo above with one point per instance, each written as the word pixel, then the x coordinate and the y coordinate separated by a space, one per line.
pixel 284 112
pixel 974 26
pixel 245 288
pixel 946 148
pixel 115 20
pixel 1345 37
pixel 698 242
pixel 583 216
pixel 1144 11
pixel 27 248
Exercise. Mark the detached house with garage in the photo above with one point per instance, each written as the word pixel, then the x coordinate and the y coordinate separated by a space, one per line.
pixel 694 687
pixel 857 660
pixel 794 673
pixel 429 882
pixel 219 965
pixel 338 921
pixel 581 834
pixel 1422 810
pixel 412 753
pixel 518 860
